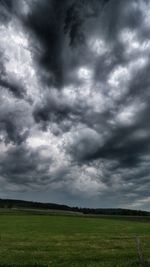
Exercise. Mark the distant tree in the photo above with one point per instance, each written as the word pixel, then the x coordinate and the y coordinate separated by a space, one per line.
pixel 9 205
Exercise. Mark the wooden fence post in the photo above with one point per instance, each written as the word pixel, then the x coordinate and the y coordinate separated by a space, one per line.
pixel 139 251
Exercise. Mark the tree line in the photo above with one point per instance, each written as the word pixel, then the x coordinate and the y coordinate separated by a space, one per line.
pixel 22 204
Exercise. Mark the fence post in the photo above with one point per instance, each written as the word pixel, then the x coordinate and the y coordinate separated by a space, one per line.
pixel 139 251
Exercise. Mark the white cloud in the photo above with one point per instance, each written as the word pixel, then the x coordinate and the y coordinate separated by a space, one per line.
pixel 97 46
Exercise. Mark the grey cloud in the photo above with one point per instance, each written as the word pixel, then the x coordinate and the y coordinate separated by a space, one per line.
pixel 61 26
pixel 86 143
pixel 14 121
pixel 20 165
pixel 77 14
pixel 48 31
pixel 85 135
pixel 9 82
pixel 5 8
pixel 12 85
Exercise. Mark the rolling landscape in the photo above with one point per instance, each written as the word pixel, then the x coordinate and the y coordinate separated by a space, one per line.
pixel 43 234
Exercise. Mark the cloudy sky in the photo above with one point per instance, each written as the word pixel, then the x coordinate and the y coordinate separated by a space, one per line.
pixel 75 102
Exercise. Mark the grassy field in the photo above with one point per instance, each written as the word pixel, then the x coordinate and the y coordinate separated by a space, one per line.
pixel 71 241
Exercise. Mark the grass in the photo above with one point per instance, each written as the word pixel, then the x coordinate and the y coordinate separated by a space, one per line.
pixel 70 241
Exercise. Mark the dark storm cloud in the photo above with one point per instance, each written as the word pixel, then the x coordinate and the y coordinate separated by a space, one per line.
pixel 8 9
pixel 11 133
pixel 85 133
pixel 12 127
pixel 48 31
pixel 121 146
pixel 21 166
pixel 53 109
pixel 16 89
pixel 76 15
pixel 57 32
pixel 14 122
pixel 5 8
pixel 56 108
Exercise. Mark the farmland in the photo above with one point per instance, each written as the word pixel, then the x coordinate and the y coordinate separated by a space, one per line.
pixel 71 241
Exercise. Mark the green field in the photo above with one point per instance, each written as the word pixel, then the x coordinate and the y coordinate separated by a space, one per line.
pixel 57 240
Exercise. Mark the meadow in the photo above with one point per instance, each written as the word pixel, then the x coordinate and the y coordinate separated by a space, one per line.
pixel 72 241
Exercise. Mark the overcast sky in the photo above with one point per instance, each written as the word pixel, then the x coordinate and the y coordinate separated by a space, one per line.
pixel 75 102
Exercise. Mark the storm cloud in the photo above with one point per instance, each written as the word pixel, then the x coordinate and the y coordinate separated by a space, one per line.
pixel 74 106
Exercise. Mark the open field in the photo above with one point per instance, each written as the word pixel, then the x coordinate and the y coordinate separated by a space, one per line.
pixel 71 241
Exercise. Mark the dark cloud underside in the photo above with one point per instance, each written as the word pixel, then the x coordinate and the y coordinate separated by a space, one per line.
pixel 74 106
